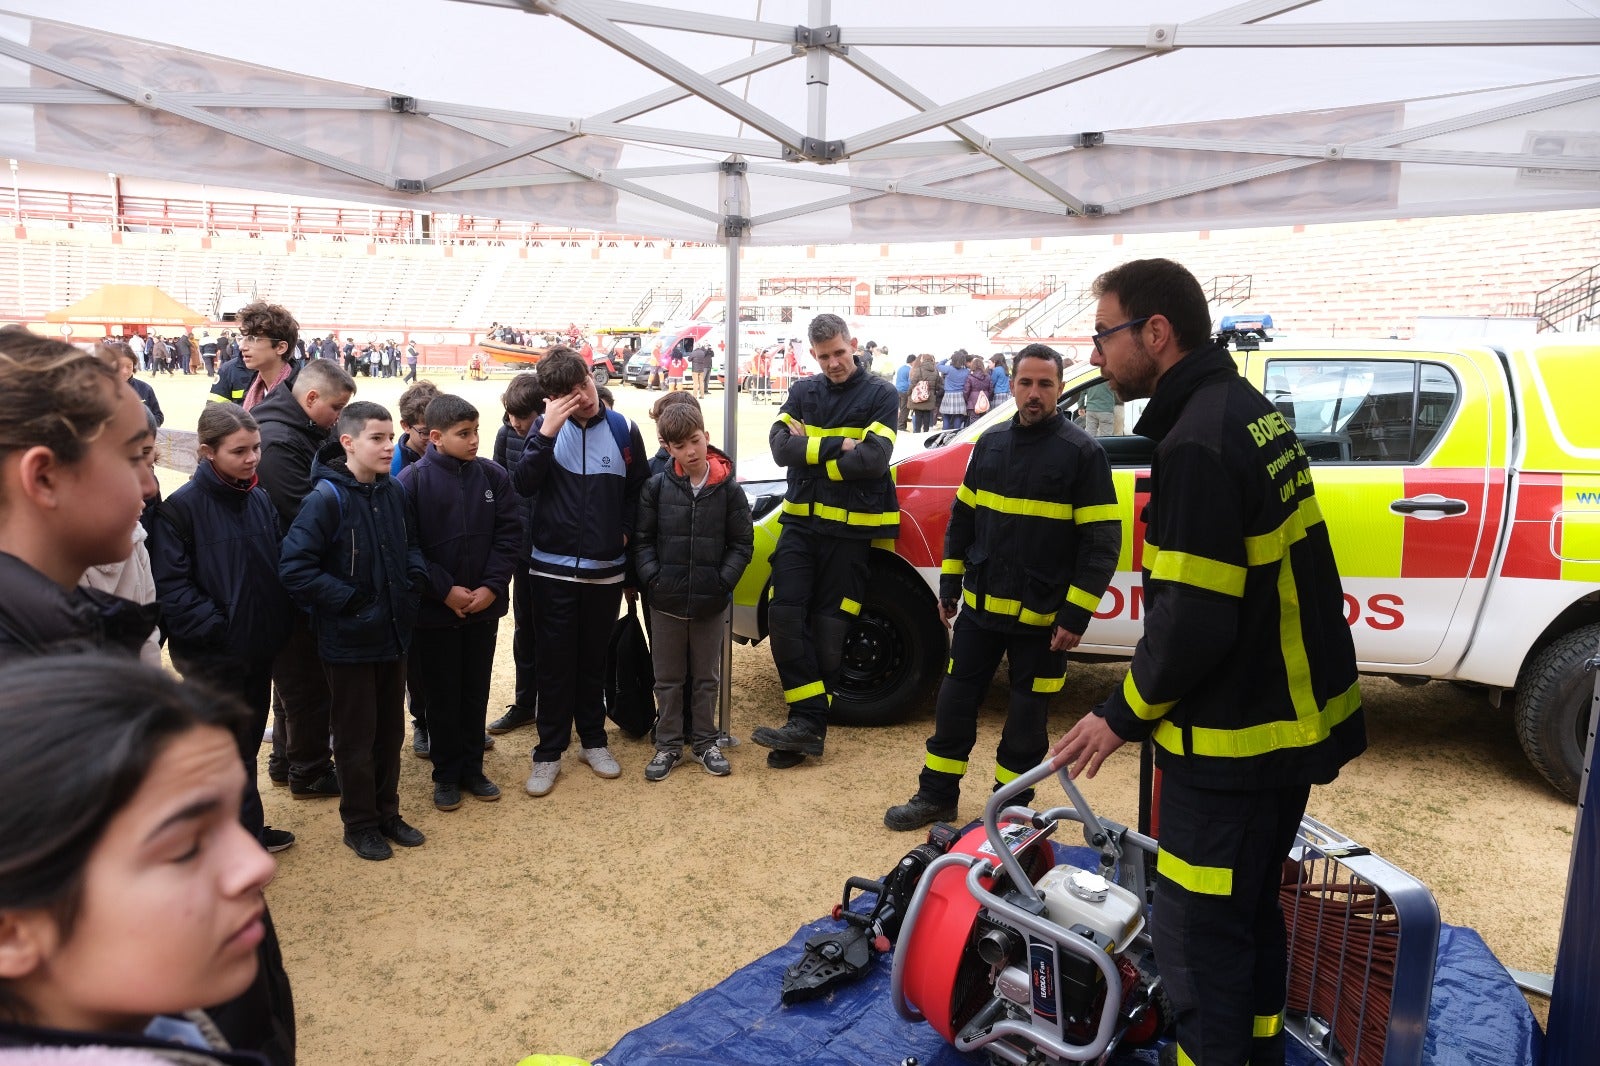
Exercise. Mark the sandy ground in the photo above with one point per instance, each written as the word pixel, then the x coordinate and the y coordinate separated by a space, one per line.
pixel 556 925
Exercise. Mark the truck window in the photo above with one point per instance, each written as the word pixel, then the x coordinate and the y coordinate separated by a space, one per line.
pixel 1363 411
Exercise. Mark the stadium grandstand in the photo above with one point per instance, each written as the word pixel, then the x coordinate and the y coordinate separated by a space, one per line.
pixel 440 280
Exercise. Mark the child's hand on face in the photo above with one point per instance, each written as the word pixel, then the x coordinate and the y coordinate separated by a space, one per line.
pixel 459 600
pixel 556 413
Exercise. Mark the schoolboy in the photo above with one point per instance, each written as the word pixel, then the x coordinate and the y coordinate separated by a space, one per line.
pixel 465 514
pixel 295 422
pixel 413 405
pixel 351 559
pixel 413 442
pixel 587 464
pixel 692 540
pixel 523 402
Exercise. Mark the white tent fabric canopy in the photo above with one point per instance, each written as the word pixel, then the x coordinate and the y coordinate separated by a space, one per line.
pixel 820 121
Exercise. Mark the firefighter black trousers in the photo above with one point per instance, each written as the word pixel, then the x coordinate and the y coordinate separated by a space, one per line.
pixel 1036 675
pixel 818 585
pixel 1217 928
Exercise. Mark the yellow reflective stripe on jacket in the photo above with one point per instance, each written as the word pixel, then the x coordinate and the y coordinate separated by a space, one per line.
pixel 839 514
pixel 953 566
pixel 833 471
pixel 1005 777
pixel 1016 505
pixel 1183 1057
pixel 849 606
pixel 1260 739
pixel 804 692
pixel 1140 706
pixel 943 765
pixel 1103 512
pixel 1266 1025
pixel 1204 880
pixel 1008 609
pixel 1214 575
pixel 883 431
pixel 1087 600
pixel 813 448
pixel 886 543
pixel 1049 684
pixel 1267 548
pixel 212 397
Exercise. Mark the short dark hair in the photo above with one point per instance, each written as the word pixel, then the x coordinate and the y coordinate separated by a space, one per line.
pixel 446 411
pixel 413 403
pixel 82 732
pixel 911 359
pixel 604 394
pixel 261 319
pixel 668 399
pixel 560 371
pixel 354 418
pixel 219 421
pixel 678 422
pixel 825 326
pixel 1148 287
pixel 327 377
pixel 523 397
pixel 1040 351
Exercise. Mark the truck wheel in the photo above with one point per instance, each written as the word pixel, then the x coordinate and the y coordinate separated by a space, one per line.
pixel 892 655
pixel 1553 706
pixel 601 374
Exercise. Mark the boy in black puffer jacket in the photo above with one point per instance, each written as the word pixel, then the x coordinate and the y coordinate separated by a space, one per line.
pixel 351 559
pixel 692 540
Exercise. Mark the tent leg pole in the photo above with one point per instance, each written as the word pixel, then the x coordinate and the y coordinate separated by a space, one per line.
pixel 730 445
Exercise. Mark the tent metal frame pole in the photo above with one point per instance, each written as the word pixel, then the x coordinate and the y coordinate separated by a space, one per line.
pixel 1443 33
pixel 736 221
pixel 818 13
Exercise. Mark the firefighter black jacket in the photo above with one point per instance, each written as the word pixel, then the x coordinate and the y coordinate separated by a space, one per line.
pixel 1035 530
pixel 833 491
pixel 1246 674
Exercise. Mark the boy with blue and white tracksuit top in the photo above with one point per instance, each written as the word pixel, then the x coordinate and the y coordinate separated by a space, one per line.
pixel 587 465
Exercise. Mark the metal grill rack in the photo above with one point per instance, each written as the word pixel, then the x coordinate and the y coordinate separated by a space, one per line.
pixel 1363 939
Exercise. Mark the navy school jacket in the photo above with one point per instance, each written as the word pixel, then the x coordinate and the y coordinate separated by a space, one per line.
pixel 469 530
pixel 351 559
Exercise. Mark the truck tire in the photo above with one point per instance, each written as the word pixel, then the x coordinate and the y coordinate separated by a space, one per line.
pixel 893 653
pixel 1554 695
pixel 601 374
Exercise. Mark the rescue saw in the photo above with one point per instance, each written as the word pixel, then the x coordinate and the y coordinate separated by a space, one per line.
pixel 1002 950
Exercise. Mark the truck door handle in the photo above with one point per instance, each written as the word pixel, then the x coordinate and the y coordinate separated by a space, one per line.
pixel 1429 505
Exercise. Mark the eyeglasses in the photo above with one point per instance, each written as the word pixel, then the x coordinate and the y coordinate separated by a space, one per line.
pixel 251 338
pixel 1103 334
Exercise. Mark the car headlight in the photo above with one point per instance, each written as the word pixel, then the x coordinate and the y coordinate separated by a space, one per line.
pixel 764 496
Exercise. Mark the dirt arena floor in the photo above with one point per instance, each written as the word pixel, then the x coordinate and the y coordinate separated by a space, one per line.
pixel 556 925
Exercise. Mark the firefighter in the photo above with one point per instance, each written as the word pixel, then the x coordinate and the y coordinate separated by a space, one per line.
pixel 1032 541
pixel 1245 679
pixel 834 434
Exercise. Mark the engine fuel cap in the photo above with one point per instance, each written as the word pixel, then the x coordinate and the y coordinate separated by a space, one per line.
pixel 1087 886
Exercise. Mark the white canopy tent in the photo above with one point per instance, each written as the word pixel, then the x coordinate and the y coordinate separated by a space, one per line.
pixel 818 121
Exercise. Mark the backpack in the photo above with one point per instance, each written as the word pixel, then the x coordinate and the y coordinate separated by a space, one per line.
pixel 920 392
pixel 630 677
pixel 619 430
pixel 981 405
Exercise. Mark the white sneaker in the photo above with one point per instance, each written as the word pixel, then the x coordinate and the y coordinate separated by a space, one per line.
pixel 543 778
pixel 600 760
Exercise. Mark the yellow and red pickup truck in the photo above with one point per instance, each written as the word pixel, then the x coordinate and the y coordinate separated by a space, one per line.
pixel 1461 487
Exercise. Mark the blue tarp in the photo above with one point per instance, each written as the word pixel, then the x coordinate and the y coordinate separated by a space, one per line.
pixel 1478 1017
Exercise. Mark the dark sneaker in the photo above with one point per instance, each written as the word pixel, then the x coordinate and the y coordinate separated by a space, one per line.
pixel 514 718
pixel 661 764
pixel 784 760
pixel 324 787
pixel 482 788
pixel 488 742
pixel 368 844
pixel 714 761
pixel 446 797
pixel 419 741
pixel 278 777
pixel 794 736
pixel 276 839
pixel 397 830
pixel 917 812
